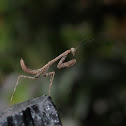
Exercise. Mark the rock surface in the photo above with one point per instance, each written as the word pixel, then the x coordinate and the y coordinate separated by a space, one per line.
pixel 35 112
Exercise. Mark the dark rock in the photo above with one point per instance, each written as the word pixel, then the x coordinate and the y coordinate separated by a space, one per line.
pixel 35 112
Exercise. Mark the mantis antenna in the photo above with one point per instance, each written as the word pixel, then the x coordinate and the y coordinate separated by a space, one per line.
pixel 83 43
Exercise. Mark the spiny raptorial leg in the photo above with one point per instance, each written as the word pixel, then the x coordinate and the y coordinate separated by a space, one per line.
pixel 66 64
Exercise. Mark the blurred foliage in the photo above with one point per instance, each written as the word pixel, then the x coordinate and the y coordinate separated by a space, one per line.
pixel 92 92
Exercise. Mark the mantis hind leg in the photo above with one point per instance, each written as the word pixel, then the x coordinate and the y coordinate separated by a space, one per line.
pixel 21 76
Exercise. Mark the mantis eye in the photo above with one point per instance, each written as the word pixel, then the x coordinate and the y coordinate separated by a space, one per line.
pixel 73 50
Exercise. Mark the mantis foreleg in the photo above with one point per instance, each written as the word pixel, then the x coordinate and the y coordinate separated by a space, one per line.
pixel 66 64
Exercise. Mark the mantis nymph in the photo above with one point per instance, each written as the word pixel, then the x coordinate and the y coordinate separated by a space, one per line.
pixel 43 70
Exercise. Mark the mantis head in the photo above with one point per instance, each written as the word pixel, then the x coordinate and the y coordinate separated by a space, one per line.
pixel 73 50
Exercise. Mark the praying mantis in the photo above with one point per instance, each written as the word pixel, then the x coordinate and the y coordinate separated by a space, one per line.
pixel 43 70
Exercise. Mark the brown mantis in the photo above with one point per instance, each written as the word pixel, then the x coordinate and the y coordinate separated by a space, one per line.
pixel 44 69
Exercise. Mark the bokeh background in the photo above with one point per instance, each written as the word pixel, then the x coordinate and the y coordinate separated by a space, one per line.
pixel 91 93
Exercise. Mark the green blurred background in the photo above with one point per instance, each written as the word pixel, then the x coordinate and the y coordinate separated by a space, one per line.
pixel 93 92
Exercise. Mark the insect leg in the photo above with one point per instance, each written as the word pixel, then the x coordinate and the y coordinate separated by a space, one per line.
pixel 21 76
pixel 66 64
pixel 51 74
